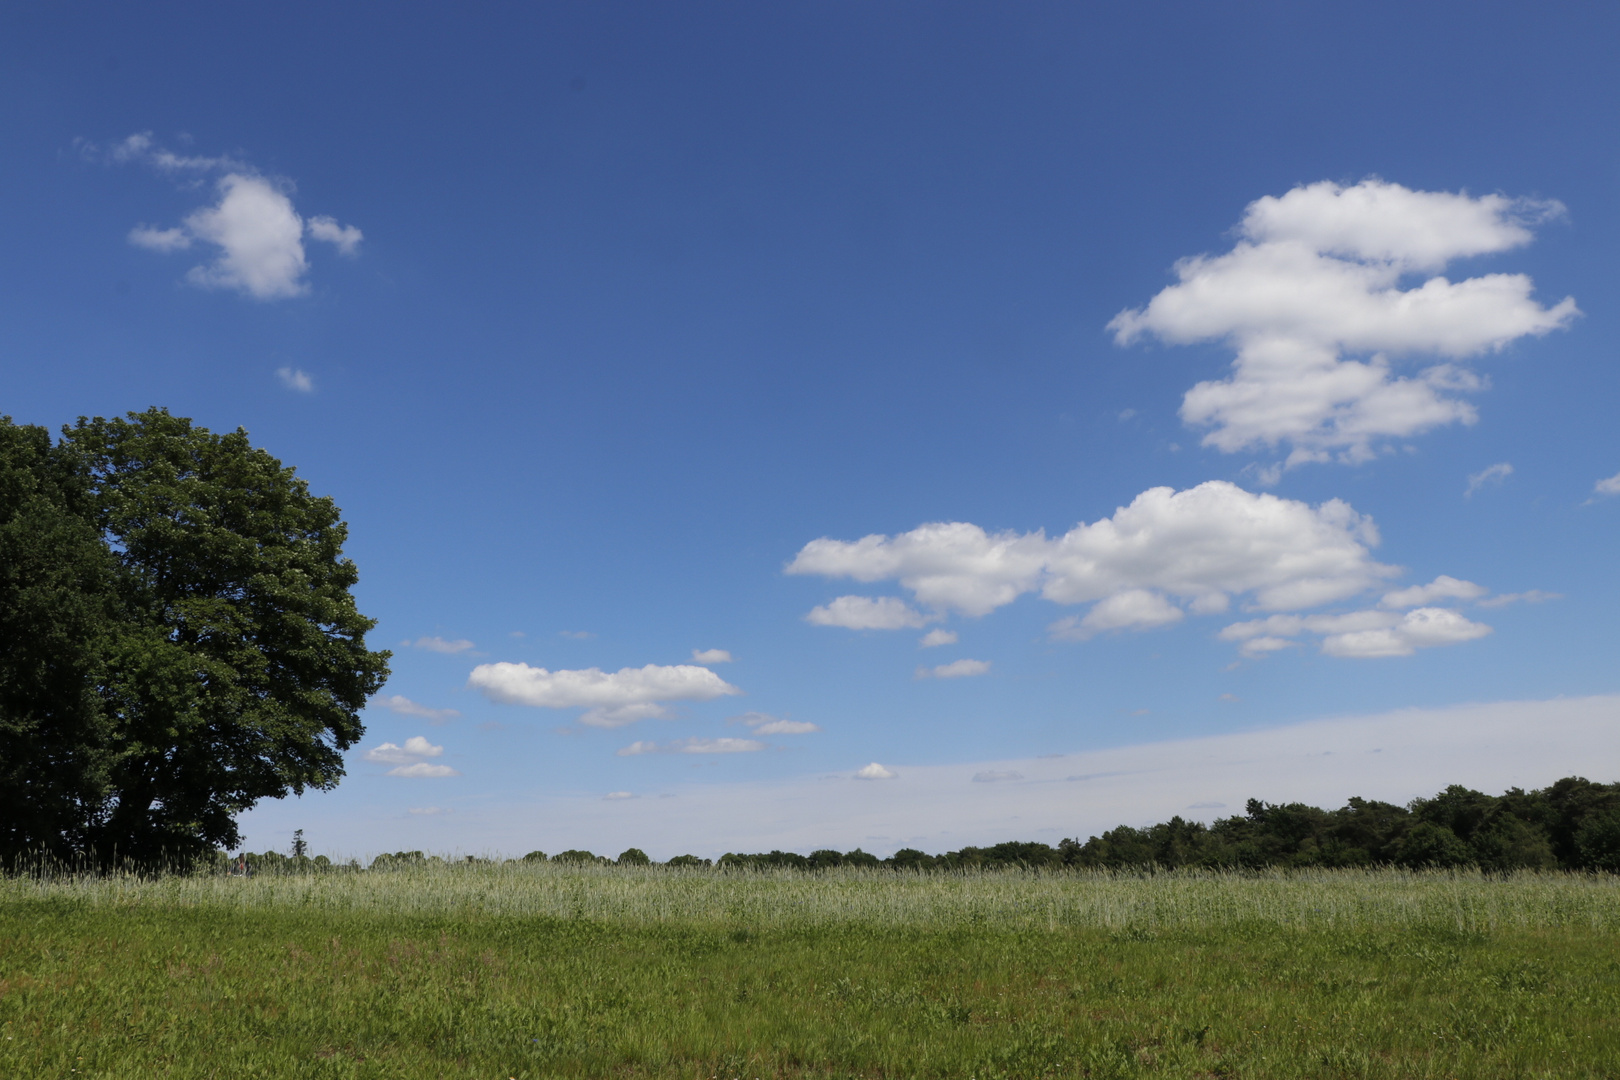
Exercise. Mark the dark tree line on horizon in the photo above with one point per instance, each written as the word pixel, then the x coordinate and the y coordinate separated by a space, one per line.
pixel 1573 824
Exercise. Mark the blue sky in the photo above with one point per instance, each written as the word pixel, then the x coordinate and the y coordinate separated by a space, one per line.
pixel 614 329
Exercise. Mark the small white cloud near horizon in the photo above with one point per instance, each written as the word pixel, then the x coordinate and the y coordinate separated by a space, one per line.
pixel 875 771
pixel 935 638
pixel 995 776
pixel 440 645
pixel 410 760
pixel 257 231
pixel 693 745
pixel 1310 299
pixel 1491 474
pixel 611 699
pixel 956 669
pixel 404 706
pixel 766 724
pixel 711 656
pixel 1606 487
pixel 616 795
pixel 296 379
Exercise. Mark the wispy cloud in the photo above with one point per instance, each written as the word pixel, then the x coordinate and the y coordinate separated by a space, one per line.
pixel 440 645
pixel 296 379
pixel 937 637
pixel 711 656
pixel 1491 474
pixel 956 669
pixel 693 746
pixel 766 724
pixel 404 706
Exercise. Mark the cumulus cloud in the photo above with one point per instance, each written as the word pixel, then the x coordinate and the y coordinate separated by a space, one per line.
pixel 867 613
pixel 875 771
pixel 440 645
pixel 956 669
pixel 1201 546
pixel 711 656
pixel 410 760
pixel 1360 634
pixel 612 699
pixel 1133 609
pixel 1606 487
pixel 404 706
pixel 1311 300
pixel 766 724
pixel 1491 474
pixel 936 638
pixel 693 746
pixel 294 379
pixel 258 234
pixel 1443 587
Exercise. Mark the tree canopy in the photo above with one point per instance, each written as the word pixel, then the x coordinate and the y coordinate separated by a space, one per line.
pixel 180 639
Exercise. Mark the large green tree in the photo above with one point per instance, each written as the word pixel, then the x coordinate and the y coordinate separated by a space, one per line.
pixel 180 639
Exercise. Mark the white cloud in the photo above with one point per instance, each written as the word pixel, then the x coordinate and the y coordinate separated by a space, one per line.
pixel 947 565
pixel 576 635
pixel 294 379
pixel 875 771
pixel 410 760
pixel 693 745
pixel 612 699
pixel 345 237
pixel 1529 596
pixel 766 724
pixel 1200 546
pixel 161 240
pixel 257 231
pixel 956 669
pixel 867 613
pixel 937 637
pixel 1134 609
pixel 423 771
pixel 415 749
pixel 711 656
pixel 993 776
pixel 440 645
pixel 614 795
pixel 1608 486
pixel 1359 634
pixel 404 706
pixel 1491 474
pixel 1316 275
pixel 1443 587
pixel 260 237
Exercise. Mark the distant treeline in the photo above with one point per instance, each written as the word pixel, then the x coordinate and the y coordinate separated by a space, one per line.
pixel 1572 825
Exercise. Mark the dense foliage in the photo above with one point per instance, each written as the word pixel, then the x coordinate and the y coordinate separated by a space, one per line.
pixel 179 640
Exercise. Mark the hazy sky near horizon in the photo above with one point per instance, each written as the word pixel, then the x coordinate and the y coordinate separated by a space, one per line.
pixel 733 399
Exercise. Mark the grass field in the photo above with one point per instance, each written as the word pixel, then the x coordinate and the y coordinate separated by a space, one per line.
pixel 530 971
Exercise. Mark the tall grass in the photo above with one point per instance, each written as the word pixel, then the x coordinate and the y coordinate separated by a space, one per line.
pixel 1101 899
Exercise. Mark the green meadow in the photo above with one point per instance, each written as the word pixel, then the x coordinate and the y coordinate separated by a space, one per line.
pixel 495 970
